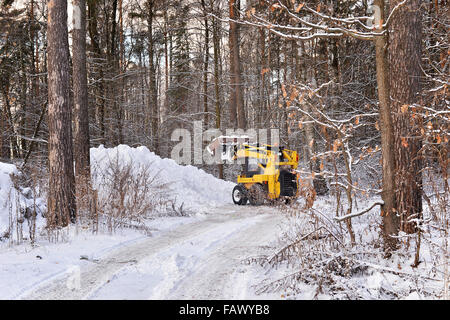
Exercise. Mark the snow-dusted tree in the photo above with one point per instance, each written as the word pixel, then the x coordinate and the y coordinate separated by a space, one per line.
pixel 306 22
pixel 21 96
pixel 390 219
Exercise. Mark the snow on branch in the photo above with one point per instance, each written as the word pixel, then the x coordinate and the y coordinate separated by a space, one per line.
pixel 31 139
pixel 352 215
pixel 398 6
pixel 335 28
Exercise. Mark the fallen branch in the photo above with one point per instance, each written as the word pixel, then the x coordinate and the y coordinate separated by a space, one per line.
pixel 352 215
pixel 281 252
pixel 391 270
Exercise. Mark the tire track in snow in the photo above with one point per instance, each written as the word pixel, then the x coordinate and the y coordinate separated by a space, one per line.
pixel 221 251
pixel 222 274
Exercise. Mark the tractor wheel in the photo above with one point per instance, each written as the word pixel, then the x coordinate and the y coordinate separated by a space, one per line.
pixel 256 195
pixel 239 195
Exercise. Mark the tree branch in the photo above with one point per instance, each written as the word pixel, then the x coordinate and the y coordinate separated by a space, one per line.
pixel 352 215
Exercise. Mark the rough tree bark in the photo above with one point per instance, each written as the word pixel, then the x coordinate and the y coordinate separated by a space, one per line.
pixel 216 44
pixel 152 100
pixel 390 220
pixel 80 93
pixel 61 194
pixel 405 72
pixel 113 90
pixel 4 141
pixel 236 97
pixel 263 70
pixel 205 66
pixel 95 43
pixel 8 130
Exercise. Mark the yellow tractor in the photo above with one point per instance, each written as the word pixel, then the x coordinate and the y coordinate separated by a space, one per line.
pixel 268 171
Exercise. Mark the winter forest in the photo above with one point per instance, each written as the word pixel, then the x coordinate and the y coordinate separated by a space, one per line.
pixel 96 94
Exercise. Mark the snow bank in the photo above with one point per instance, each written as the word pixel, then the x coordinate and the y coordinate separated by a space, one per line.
pixel 7 195
pixel 192 187
pixel 188 185
pixel 17 205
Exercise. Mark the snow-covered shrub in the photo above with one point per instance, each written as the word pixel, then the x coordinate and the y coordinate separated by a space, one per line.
pixel 22 203
pixel 127 193
pixel 315 259
pixel 189 186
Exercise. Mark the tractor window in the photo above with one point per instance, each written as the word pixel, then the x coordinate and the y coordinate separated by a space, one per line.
pixel 253 164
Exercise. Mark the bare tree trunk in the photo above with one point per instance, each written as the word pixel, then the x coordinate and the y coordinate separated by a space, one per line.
pixel 7 128
pixel 152 102
pixel 231 41
pixel 263 70
pixel 61 194
pixel 405 63
pixel 390 221
pixel 216 43
pixel 121 69
pixel 236 98
pixel 81 114
pixel 4 140
pixel 121 40
pixel 35 83
pixel 113 89
pixel 205 66
pixel 95 38
pixel 166 65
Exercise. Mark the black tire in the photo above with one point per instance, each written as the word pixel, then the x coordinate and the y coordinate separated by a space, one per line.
pixel 256 194
pixel 239 195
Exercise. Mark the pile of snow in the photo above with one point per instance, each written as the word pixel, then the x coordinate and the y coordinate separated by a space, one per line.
pixel 7 196
pixel 16 205
pixel 189 185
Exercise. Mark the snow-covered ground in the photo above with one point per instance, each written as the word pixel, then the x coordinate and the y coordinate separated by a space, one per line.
pixel 130 264
pixel 219 251
pixel 24 268
pixel 329 267
pixel 202 259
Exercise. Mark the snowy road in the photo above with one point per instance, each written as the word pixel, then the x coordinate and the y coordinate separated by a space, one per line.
pixel 199 260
